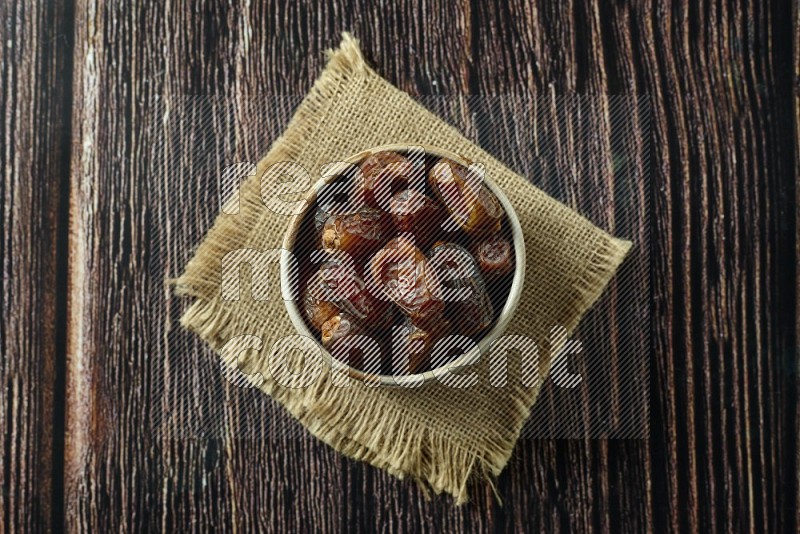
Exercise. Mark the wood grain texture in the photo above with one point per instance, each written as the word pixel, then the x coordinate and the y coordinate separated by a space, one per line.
pixel 34 65
pixel 723 450
pixel 796 83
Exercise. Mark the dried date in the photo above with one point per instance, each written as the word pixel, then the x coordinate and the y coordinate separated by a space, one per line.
pixel 472 310
pixel 416 213
pixel 495 255
pixel 418 343
pixel 400 271
pixel 470 204
pixel 383 173
pixel 338 327
pixel 357 233
pixel 335 288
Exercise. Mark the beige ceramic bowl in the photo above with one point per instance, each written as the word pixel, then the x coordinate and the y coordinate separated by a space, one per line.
pixel 296 315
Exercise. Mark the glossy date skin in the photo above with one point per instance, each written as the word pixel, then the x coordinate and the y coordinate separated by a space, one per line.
pixel 470 311
pixel 418 343
pixel 339 327
pixel 415 213
pixel 383 174
pixel 359 233
pixel 468 201
pixel 494 255
pixel 336 288
pixel 400 271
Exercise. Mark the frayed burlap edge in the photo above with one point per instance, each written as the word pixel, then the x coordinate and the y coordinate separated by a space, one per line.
pixel 384 434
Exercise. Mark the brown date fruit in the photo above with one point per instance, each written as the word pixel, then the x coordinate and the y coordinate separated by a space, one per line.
pixel 338 196
pixel 419 342
pixel 334 289
pixel 383 173
pixel 469 202
pixel 416 213
pixel 400 271
pixel 338 327
pixel 495 255
pixel 457 270
pixel 318 311
pixel 357 233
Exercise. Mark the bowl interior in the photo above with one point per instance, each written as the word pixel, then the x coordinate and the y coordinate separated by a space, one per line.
pixel 502 320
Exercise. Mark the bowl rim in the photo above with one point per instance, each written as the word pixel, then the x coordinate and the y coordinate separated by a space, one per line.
pixel 466 359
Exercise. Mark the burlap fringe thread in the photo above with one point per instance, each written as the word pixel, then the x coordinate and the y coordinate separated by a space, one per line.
pixel 385 436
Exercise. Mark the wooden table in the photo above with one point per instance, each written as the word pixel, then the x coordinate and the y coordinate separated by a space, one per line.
pixel 76 368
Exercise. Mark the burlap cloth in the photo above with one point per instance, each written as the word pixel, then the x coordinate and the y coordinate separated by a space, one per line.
pixel 440 436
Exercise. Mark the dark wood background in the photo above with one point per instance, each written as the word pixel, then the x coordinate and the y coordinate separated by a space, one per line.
pixel 76 369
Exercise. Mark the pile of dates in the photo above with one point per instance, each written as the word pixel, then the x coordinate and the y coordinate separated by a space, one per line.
pixel 406 248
